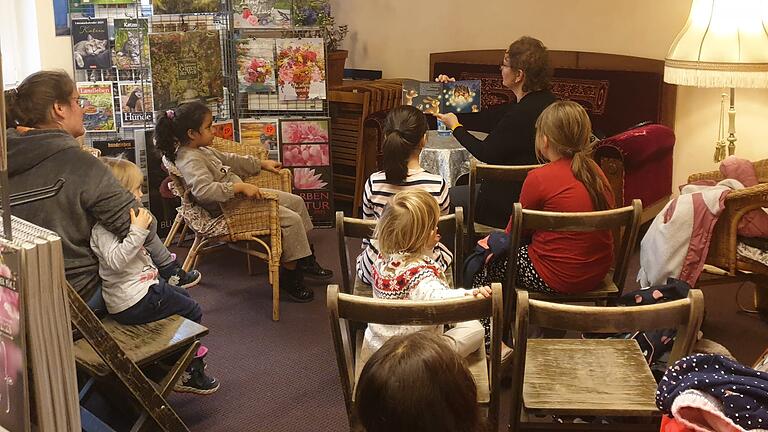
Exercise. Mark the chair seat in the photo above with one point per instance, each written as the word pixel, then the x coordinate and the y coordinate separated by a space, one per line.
pixel 143 343
pixel 607 377
pixel 476 363
pixel 607 289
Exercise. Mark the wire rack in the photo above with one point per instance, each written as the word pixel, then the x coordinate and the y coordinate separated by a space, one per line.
pixel 234 105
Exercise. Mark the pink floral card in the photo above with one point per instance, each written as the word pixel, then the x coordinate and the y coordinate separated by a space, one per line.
pixel 301 69
pixel 305 150
pixel 256 65
pixel 304 131
pixel 306 155
pixel 311 178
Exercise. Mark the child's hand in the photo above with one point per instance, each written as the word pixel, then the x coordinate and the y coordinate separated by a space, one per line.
pixel 247 189
pixel 450 119
pixel 142 218
pixel 444 79
pixel 483 291
pixel 271 166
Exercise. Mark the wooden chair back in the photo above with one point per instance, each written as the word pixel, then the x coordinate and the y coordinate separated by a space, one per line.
pixel 344 308
pixel 348 112
pixel 685 315
pixel 623 222
pixel 450 226
pixel 481 173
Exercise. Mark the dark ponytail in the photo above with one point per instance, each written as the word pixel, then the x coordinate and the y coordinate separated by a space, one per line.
pixel 31 102
pixel 171 129
pixel 404 129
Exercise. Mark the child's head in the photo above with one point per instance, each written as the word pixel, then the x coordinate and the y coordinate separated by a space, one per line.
pixel 404 135
pixel 563 129
pixel 408 224
pixel 415 383
pixel 127 174
pixel 190 123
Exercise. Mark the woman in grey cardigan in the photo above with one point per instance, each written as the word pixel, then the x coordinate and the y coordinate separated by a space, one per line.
pixel 44 116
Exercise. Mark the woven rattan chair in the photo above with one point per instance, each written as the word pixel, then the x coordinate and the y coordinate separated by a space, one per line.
pixel 722 259
pixel 252 226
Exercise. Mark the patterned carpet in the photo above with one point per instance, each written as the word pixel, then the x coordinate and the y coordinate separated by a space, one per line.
pixel 282 376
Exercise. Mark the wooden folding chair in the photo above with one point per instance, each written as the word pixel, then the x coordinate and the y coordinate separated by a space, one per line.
pixel 481 173
pixel 593 377
pixel 344 309
pixel 114 352
pixel 623 222
pixel 448 225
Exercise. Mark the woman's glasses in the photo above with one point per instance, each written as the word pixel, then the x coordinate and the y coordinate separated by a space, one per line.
pixel 81 101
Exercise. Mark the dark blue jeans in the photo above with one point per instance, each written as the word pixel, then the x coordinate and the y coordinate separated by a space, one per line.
pixel 161 301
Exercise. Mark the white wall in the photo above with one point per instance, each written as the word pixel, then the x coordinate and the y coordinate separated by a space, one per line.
pixel 55 51
pixel 397 36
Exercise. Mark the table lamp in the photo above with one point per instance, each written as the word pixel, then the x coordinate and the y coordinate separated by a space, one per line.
pixel 724 44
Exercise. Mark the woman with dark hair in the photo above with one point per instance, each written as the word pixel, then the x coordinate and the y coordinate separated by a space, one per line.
pixel 417 383
pixel 44 116
pixel 405 130
pixel 525 70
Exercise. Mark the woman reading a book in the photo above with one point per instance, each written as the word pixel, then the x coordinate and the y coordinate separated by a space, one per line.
pixel 44 115
pixel 524 70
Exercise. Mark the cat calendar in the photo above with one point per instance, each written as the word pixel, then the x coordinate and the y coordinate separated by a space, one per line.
pixel 131 50
pixel 434 97
pixel 90 44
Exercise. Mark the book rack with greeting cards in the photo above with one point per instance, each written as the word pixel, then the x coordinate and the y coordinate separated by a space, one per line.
pixel 259 69
pixel 280 95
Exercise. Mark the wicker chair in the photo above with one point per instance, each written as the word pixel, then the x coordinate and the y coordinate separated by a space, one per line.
pixel 252 226
pixel 722 250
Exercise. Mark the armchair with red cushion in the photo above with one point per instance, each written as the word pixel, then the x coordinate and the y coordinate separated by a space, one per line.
pixel 638 164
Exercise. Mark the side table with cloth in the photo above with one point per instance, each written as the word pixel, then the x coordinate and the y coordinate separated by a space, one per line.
pixel 444 155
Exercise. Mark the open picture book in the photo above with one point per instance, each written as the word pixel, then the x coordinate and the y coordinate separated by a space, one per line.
pixel 434 97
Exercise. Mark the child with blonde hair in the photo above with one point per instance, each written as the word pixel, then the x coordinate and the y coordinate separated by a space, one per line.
pixel 570 181
pixel 132 289
pixel 405 270
pixel 405 135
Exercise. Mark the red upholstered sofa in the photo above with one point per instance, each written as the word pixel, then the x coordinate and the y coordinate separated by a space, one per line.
pixel 618 92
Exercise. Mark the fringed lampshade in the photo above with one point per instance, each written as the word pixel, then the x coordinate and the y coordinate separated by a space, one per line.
pixel 723 44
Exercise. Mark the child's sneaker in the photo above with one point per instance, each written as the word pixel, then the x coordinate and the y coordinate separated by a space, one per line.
pixel 175 275
pixel 194 380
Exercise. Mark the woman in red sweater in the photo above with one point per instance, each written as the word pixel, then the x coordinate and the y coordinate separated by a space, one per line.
pixel 561 262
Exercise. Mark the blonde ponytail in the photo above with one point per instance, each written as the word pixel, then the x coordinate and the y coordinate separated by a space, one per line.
pixel 567 128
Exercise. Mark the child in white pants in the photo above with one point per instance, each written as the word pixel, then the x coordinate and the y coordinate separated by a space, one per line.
pixel 405 270
pixel 184 135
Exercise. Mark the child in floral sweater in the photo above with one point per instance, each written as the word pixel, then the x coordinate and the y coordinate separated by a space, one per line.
pixel 405 270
